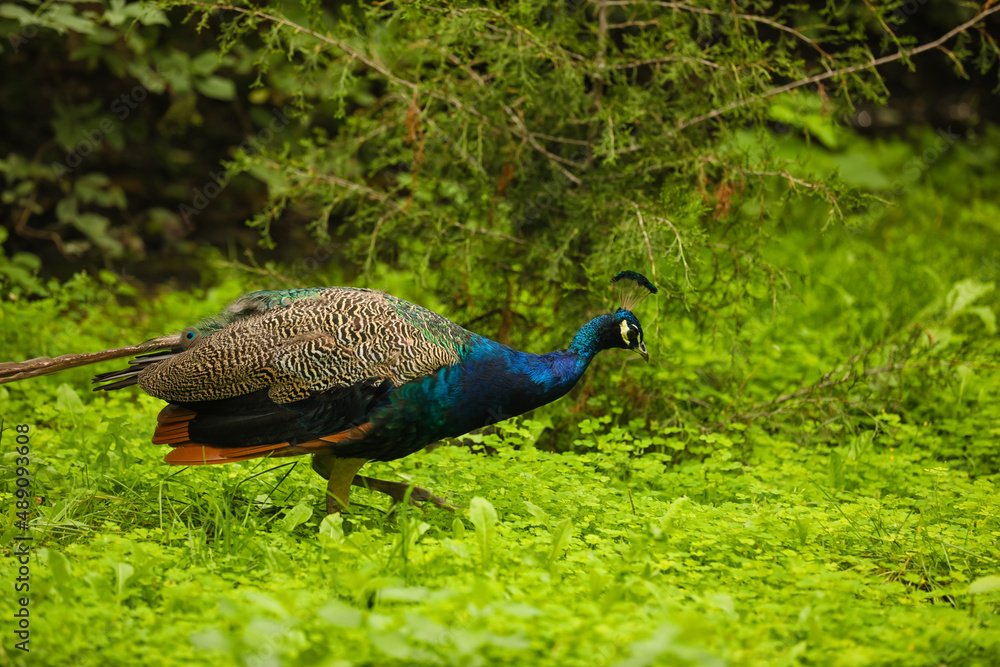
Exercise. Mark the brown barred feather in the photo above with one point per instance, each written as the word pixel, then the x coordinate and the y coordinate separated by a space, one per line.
pixel 178 436
pixel 172 429
pixel 175 439
pixel 336 338
pixel 356 433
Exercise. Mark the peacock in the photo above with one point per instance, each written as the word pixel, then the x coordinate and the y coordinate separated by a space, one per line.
pixel 345 374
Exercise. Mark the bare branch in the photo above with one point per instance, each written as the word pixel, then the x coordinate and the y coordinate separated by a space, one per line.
pixel 680 248
pixel 487 232
pixel 875 62
pixel 841 375
pixel 311 174
pixel 649 246
pixel 783 174
pixel 326 39
pixel 666 59
pixel 680 6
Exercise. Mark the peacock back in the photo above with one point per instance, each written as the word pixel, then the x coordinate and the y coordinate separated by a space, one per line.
pixel 297 343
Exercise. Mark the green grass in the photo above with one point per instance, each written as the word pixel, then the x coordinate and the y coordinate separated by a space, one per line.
pixel 795 555
pixel 717 562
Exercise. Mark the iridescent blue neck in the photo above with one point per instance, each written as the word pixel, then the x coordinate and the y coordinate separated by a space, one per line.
pixel 586 341
pixel 525 380
pixel 492 382
pixel 556 372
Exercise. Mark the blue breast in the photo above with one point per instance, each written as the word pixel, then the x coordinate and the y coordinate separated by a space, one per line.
pixel 492 382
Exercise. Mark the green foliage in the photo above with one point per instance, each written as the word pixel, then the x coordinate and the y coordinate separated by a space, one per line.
pixel 555 561
pixel 512 159
pixel 805 473
pixel 84 113
pixel 856 524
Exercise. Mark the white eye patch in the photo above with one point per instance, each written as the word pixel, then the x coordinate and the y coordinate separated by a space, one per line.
pixel 625 331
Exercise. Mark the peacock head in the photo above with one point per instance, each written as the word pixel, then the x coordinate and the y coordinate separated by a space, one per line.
pixel 621 328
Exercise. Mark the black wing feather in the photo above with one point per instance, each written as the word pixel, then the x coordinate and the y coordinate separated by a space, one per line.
pixel 254 419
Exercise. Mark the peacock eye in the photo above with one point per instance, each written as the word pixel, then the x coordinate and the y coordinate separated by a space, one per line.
pixel 190 335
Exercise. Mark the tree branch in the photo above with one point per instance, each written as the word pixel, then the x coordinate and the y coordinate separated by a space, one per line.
pixel 875 62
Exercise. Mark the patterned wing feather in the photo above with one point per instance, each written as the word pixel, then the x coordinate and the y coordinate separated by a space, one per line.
pixel 434 328
pixel 294 372
pixel 318 340
pixel 252 304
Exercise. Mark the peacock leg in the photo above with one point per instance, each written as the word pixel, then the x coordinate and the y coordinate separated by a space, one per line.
pixel 327 465
pixel 397 491
pixel 340 473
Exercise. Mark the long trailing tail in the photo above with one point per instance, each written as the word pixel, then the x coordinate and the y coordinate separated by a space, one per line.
pixel 166 346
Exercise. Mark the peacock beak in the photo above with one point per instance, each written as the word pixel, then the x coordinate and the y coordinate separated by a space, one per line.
pixel 642 351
